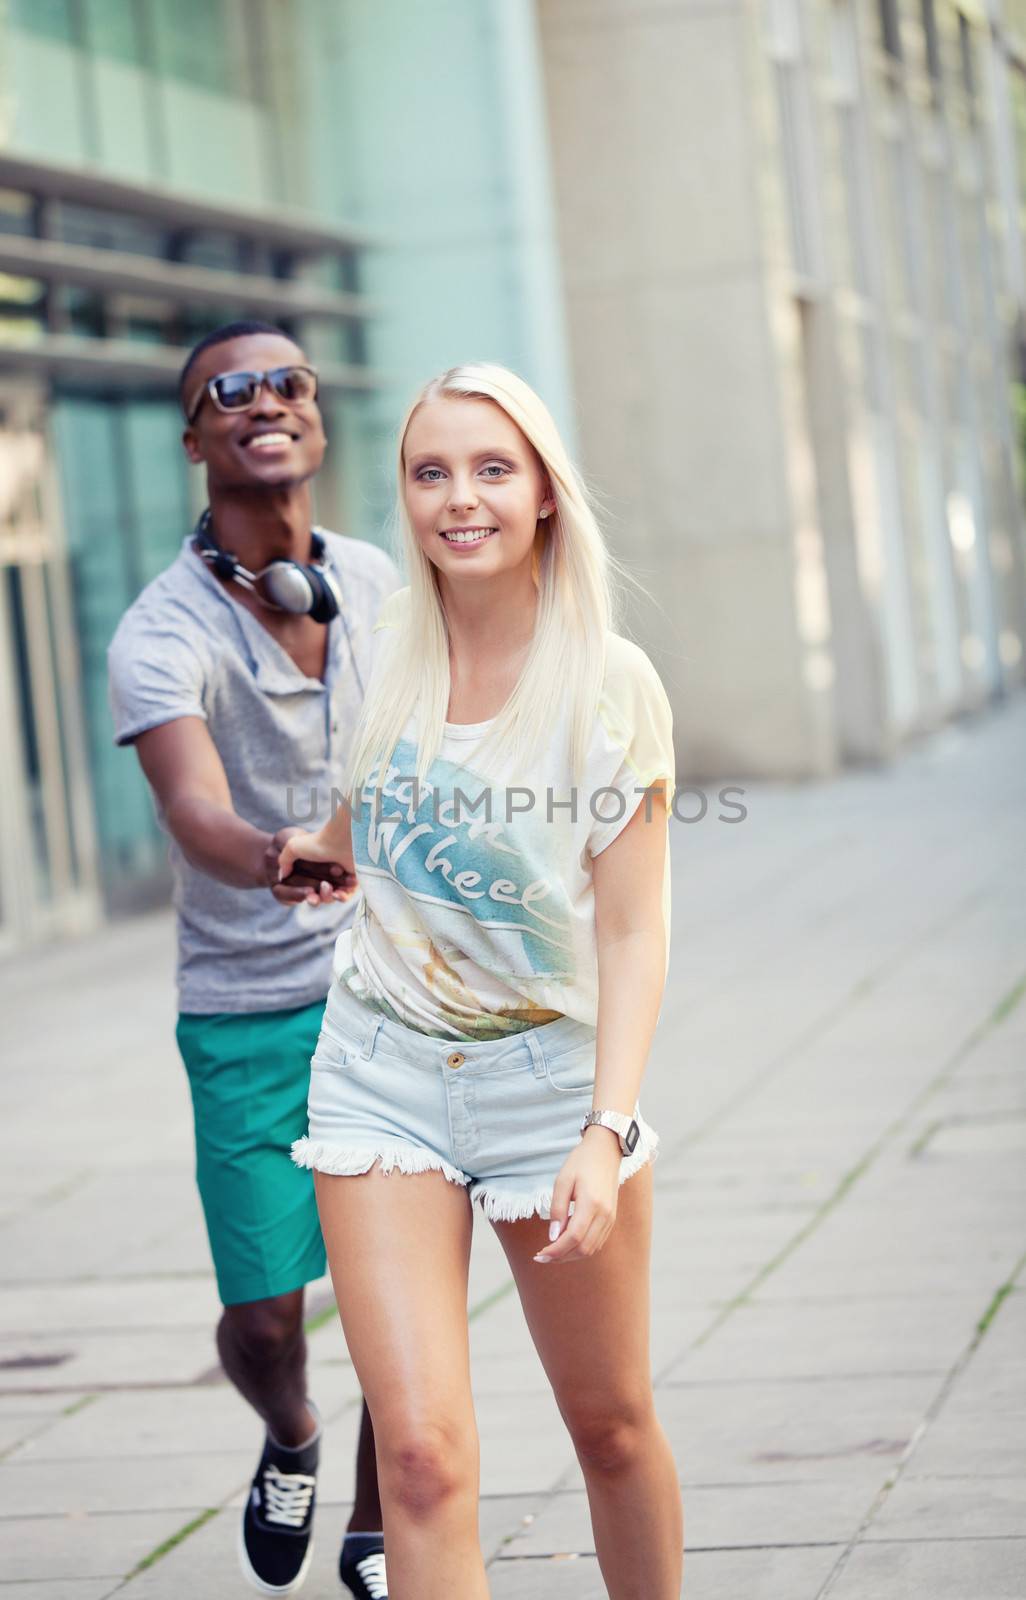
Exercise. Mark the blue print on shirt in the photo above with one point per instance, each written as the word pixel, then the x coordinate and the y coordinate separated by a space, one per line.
pixel 445 854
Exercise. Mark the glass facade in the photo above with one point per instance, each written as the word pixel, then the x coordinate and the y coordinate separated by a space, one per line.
pixel 167 165
pixel 159 90
pixel 126 501
pixel 926 341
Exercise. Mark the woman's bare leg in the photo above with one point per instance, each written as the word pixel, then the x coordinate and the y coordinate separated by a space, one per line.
pixel 399 1250
pixel 590 1325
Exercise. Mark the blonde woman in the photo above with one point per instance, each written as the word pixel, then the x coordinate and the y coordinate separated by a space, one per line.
pixel 500 985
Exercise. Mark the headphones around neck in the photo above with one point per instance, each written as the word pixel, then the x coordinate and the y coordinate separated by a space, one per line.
pixel 282 585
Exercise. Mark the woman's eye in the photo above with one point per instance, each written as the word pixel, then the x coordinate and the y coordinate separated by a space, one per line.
pixel 429 474
pixel 496 469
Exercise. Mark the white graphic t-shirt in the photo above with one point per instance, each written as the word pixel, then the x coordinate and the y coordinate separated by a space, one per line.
pixel 477 915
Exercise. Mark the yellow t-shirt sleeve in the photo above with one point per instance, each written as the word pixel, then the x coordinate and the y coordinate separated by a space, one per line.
pixel 636 715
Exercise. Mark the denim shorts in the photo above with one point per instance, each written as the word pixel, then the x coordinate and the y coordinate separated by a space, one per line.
pixel 499 1116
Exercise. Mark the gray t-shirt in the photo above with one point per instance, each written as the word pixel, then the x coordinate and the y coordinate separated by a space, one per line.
pixel 186 649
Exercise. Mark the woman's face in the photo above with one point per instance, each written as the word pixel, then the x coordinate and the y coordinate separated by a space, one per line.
pixel 474 488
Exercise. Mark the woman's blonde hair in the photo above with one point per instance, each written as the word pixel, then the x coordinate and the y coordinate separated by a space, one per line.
pixel 575 610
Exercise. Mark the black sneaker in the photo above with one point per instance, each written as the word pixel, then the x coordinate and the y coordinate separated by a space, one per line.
pixel 361 1566
pixel 276 1536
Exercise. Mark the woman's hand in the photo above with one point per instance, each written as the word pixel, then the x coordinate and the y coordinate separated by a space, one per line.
pixel 296 865
pixel 590 1177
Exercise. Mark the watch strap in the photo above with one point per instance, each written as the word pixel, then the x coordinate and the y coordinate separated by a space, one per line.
pixel 625 1128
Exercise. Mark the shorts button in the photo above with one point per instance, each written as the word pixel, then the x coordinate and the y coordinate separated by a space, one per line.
pixel 456 1059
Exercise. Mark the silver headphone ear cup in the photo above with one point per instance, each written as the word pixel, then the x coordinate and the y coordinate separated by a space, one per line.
pixel 328 602
pixel 291 587
pixel 334 593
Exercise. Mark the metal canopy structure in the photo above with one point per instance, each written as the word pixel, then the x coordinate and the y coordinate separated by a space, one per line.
pixel 127 363
pixel 118 271
pixel 280 265
pixel 86 186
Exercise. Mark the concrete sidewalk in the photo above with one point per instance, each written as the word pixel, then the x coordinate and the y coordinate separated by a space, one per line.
pixel 840 1329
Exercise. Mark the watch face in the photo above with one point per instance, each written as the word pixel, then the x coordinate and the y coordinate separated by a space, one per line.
pixel 632 1136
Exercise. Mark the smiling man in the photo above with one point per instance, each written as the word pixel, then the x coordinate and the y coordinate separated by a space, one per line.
pixel 238 674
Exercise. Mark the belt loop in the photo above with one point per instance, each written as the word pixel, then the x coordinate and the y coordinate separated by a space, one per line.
pixel 537 1055
pixel 370 1037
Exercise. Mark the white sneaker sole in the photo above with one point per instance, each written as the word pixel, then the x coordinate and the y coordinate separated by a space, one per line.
pixel 256 1581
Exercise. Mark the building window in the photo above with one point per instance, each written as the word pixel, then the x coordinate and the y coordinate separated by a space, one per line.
pixel 931 39
pixel 966 63
pixel 798 144
pixel 890 28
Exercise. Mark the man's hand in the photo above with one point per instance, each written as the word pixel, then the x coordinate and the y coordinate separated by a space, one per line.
pixel 187 776
pixel 312 882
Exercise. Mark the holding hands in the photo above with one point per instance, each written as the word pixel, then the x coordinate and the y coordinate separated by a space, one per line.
pixel 304 868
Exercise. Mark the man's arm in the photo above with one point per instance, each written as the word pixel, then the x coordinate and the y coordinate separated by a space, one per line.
pixel 186 773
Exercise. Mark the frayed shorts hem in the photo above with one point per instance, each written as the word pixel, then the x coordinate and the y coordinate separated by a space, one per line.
pixel 498 1205
pixel 340 1162
pixel 504 1206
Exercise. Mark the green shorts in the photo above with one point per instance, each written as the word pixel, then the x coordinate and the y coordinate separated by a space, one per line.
pixel 249 1076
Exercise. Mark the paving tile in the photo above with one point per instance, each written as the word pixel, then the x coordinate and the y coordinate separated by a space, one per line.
pixel 512 1374
pixel 721 1517
pixel 62 1589
pixel 1003 1347
pixel 502 1518
pixel 981 1427
pixel 863 1335
pixel 489 1269
pixel 205 1563
pixel 47 1548
pixel 333 1384
pixel 784 1574
pixel 83 1361
pixel 102 1222
pixel 143 1483
pixel 500 1332
pixel 855 1253
pixel 987 1136
pixel 150 1423
pixel 945 1569
pixel 930 1508
pixel 524 1443
pixel 111 1306
pixel 837 1271
pixel 673 1334
pixel 576 1578
pixel 39 1403
pixel 17 1428
pixel 977 1433
pixel 181 1252
pixel 835 1428
pixel 708 1575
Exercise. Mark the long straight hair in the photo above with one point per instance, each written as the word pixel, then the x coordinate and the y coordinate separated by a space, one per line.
pixel 566 659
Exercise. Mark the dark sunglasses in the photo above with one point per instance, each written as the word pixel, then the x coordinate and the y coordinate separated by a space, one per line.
pixel 237 391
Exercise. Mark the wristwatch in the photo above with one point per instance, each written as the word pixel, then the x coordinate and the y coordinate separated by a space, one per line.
pixel 625 1128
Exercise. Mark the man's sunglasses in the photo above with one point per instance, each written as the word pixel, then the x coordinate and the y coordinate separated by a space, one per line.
pixel 237 391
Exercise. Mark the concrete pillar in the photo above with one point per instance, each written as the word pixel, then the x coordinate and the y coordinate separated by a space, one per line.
pixel 682 419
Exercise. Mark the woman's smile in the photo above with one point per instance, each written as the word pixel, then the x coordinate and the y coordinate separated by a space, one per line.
pixel 467 536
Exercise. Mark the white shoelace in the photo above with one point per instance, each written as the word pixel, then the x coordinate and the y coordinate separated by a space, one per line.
pixel 372 1570
pixel 287 1496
